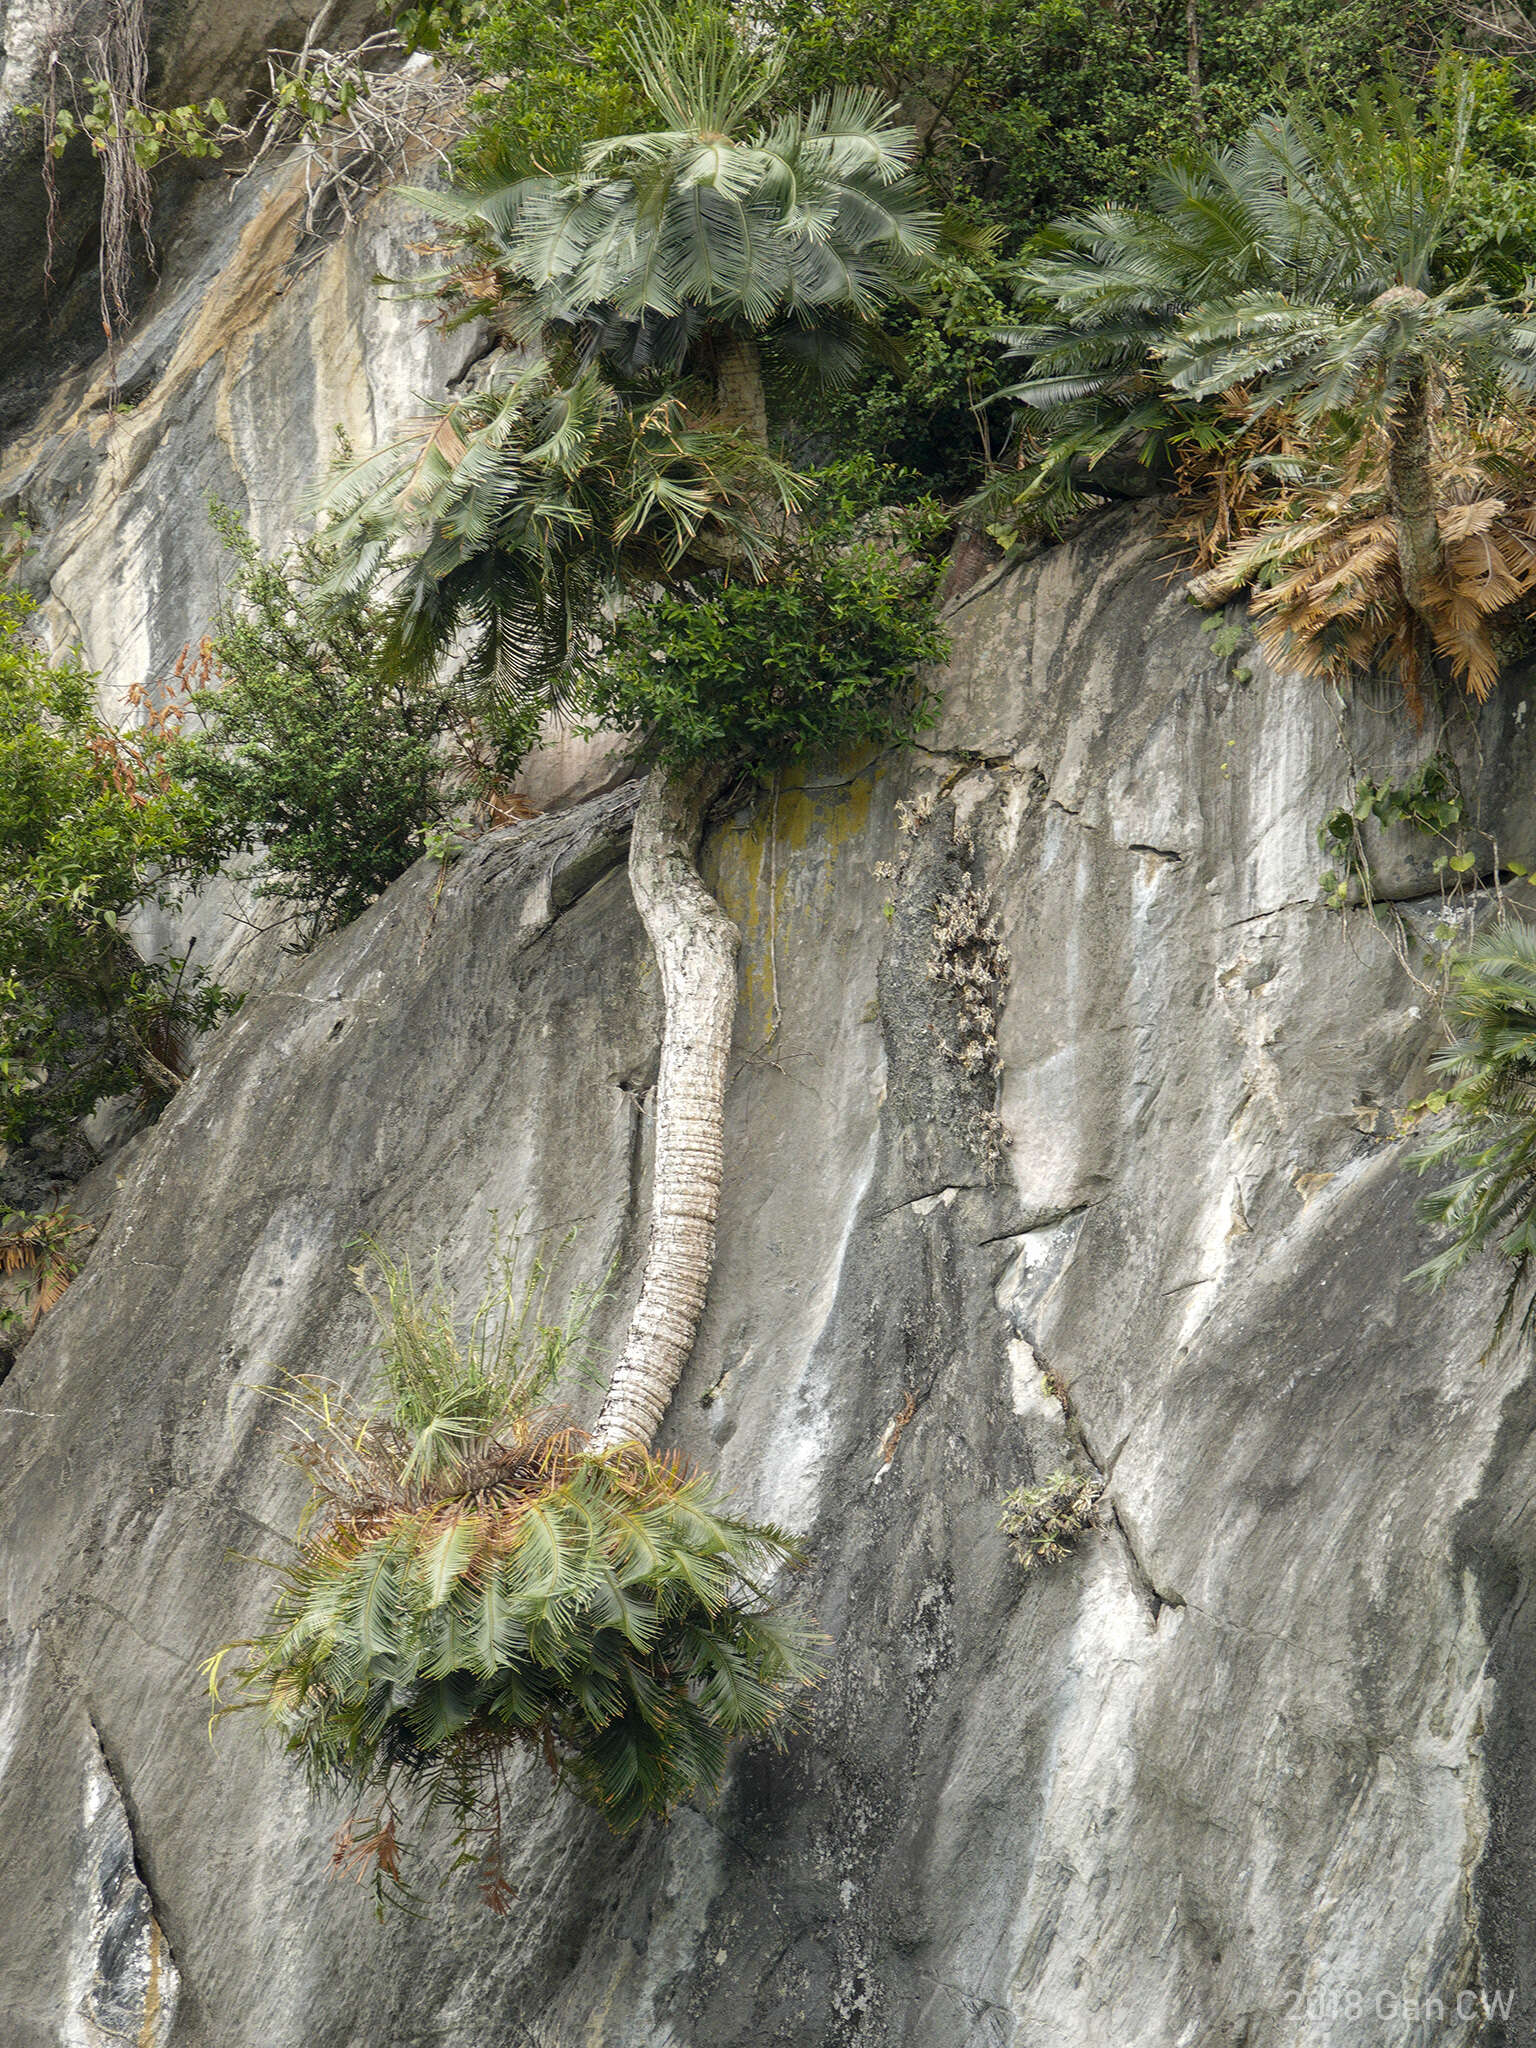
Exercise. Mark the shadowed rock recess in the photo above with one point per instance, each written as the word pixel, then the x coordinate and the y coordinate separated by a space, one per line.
pixel 1250 1767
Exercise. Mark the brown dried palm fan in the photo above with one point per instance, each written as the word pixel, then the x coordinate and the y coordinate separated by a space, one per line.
pixel 1311 534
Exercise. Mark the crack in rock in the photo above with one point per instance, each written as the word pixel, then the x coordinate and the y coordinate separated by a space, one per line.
pixel 125 1985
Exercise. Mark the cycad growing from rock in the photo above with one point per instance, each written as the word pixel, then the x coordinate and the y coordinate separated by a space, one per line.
pixel 1295 309
pixel 475 1580
pixel 537 501
pixel 527 508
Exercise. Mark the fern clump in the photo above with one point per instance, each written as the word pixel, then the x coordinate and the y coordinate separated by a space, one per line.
pixel 471 1581
pixel 1490 1138
pixel 1045 1521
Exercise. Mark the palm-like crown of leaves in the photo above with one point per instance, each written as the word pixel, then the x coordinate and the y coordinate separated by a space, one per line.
pixel 803 223
pixel 471 1583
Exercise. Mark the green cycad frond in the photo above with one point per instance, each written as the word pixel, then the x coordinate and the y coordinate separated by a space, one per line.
pixel 1490 1138
pixel 706 218
pixel 700 75
pixel 510 1591
pixel 1305 283
pixel 1262 265
pixel 515 512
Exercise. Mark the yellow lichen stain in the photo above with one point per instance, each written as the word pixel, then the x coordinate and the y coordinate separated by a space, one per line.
pixel 149 2032
pixel 782 867
pixel 620 1992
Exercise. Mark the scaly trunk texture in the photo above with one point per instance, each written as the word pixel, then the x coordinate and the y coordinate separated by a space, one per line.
pixel 739 386
pixel 695 945
pixel 1410 482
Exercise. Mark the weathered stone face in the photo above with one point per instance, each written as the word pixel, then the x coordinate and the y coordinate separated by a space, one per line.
pixel 50 316
pixel 1250 1766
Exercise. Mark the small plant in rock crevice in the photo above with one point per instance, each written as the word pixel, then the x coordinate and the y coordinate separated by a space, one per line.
pixel 1430 801
pixel 965 964
pixel 474 1585
pixel 970 960
pixel 39 1255
pixel 1048 1520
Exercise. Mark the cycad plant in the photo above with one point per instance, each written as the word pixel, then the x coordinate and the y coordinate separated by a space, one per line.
pixel 530 506
pixel 1304 520
pixel 519 511
pixel 1305 280
pixel 1490 1138
pixel 473 1582
pixel 516 518
pixel 687 245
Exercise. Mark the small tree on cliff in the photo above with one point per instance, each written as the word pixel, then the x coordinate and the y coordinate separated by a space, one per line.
pixel 1297 310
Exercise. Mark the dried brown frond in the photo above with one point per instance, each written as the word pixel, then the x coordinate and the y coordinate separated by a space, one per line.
pixel 44 1253
pixel 1309 531
pixel 368 1849
pixel 896 1425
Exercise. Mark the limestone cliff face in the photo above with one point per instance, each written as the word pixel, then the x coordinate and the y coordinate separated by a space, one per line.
pixel 1252 1767
pixel 50 318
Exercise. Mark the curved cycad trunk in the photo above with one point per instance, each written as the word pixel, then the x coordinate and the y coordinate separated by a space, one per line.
pixel 695 945
pixel 1411 486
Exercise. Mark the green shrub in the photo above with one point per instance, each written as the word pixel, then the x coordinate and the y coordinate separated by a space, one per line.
pixel 1034 106
pixel 923 413
pixel 91 833
pixel 471 1584
pixel 315 755
pixel 824 652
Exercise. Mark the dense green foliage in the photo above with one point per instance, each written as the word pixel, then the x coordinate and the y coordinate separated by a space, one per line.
pixel 1021 109
pixel 927 410
pixel 1316 269
pixel 1025 106
pixel 1034 106
pixel 1489 1137
pixel 90 835
pixel 530 504
pixel 470 1584
pixel 314 753
pixel 823 650
pixel 628 469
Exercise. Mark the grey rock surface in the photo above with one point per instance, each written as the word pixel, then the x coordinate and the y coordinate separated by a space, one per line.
pixel 1250 1768
pixel 125 1974
pixel 262 340
pixel 50 317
